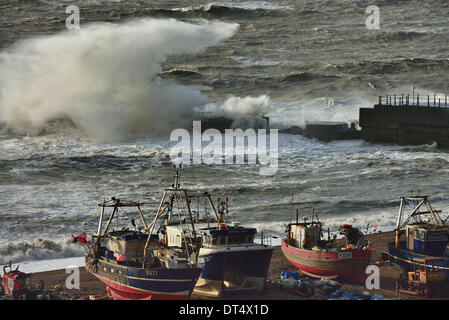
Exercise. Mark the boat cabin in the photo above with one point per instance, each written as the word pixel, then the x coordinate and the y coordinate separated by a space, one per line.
pixel 212 236
pixel 426 239
pixel 309 236
pixel 305 236
pixel 229 235
pixel 125 247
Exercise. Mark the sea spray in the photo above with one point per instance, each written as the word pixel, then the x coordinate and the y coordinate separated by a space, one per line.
pixel 104 77
pixel 39 249
pixel 246 112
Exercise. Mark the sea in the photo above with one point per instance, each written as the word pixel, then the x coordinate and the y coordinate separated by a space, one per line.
pixel 87 110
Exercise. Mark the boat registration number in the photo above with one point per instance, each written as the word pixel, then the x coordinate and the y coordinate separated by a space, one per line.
pixel 151 272
pixel 344 255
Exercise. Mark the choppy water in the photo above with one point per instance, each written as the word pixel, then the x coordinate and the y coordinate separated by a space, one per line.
pixel 126 88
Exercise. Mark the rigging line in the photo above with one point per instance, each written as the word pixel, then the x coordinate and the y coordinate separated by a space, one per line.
pixel 182 226
pixel 198 208
pixel 291 209
pixel 207 213
pixel 126 214
pixel 185 217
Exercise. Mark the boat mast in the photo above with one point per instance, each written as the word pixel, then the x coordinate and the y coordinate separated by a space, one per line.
pixel 212 205
pixel 101 221
pixel 424 200
pixel 432 212
pixel 111 216
pixel 116 205
pixel 398 223
pixel 176 195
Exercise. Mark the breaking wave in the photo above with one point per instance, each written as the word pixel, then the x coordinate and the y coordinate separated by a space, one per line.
pixel 39 249
pixel 246 112
pixel 222 8
pixel 104 78
pixel 178 73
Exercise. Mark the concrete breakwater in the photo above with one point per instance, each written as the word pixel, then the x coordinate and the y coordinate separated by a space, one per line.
pixel 406 124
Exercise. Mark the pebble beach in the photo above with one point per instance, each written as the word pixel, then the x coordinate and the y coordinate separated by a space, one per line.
pixel 93 289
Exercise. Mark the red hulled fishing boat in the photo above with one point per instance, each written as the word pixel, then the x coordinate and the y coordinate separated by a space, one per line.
pixel 344 258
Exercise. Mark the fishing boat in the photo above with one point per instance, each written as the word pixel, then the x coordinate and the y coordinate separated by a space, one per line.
pixel 305 248
pixel 15 283
pixel 231 259
pixel 136 264
pixel 426 236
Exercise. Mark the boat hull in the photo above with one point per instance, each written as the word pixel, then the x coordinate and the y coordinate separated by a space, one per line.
pixel 233 268
pixel 129 283
pixel 349 265
pixel 404 258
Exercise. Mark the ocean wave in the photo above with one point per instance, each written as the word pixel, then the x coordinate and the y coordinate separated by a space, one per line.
pixel 39 249
pixel 397 35
pixel 306 76
pixel 314 83
pixel 222 8
pixel 273 228
pixel 101 163
pixel 79 2
pixel 179 73
pixel 364 220
pixel 101 93
pixel 391 66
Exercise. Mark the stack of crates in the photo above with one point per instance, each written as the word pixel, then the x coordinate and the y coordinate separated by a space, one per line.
pixel 425 239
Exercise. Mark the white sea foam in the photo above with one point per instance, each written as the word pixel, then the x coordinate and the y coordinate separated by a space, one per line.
pixel 104 77
pixel 300 112
pixel 247 112
pixel 249 5
pixel 39 249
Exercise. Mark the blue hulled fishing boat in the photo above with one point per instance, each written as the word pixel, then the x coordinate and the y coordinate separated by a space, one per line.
pixel 230 257
pixel 138 265
pixel 426 236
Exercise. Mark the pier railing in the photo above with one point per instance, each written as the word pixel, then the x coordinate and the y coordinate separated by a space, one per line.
pixel 404 100
pixel 265 239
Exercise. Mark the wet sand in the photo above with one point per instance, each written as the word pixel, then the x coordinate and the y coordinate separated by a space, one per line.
pixel 90 286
